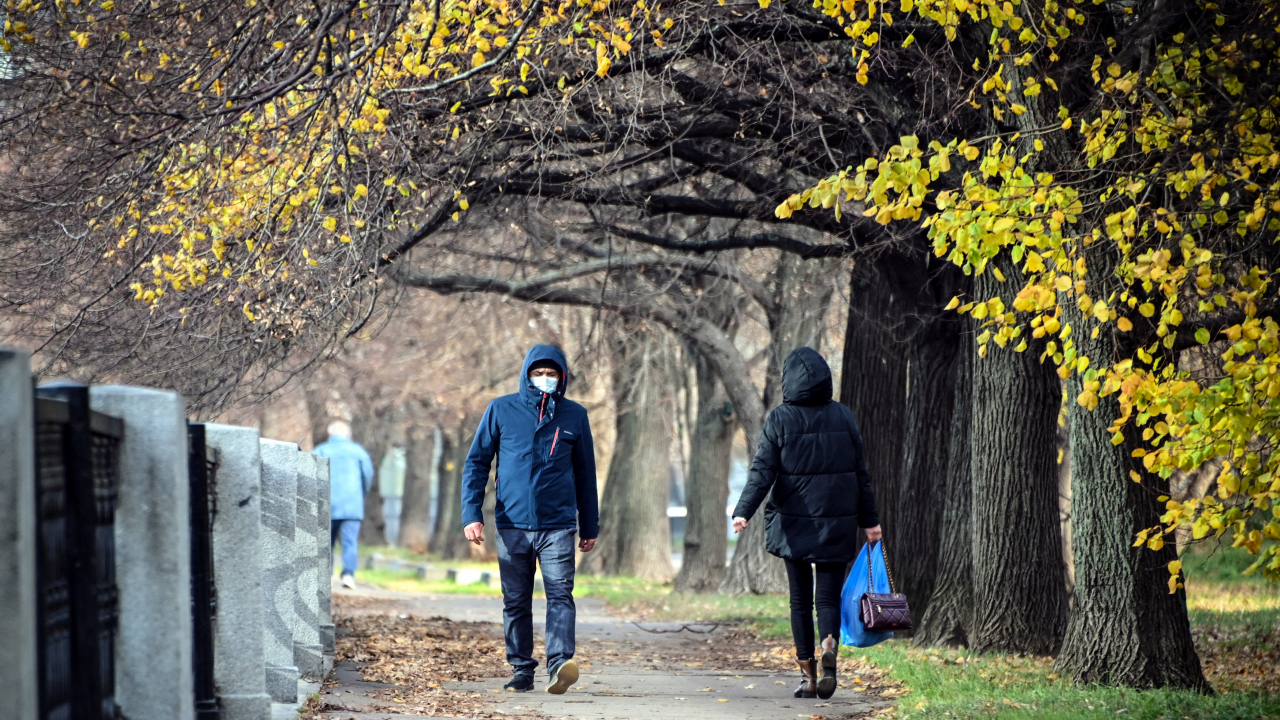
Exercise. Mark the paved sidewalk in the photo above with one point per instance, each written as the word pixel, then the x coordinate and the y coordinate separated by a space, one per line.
pixel 650 671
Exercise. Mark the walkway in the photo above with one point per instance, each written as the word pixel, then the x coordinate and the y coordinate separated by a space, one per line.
pixel 416 656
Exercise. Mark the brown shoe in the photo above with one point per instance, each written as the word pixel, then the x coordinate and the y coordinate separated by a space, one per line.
pixel 826 685
pixel 807 688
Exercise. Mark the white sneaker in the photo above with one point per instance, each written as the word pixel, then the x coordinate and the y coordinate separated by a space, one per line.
pixel 349 582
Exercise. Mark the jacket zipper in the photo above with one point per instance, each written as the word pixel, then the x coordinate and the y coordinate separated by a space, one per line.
pixel 553 442
pixel 541 406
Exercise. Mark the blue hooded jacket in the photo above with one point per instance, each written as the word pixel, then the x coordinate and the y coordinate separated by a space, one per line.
pixel 350 477
pixel 546 458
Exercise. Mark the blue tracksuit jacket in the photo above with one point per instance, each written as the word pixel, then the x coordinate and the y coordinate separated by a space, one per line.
pixel 350 477
pixel 546 459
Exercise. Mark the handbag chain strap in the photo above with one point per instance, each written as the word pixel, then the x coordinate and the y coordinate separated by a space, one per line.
pixel 871 585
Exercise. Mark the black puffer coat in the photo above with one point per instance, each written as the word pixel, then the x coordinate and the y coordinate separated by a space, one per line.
pixel 811 456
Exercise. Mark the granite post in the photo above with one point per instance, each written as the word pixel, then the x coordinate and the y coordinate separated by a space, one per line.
pixel 324 548
pixel 279 566
pixel 153 554
pixel 237 574
pixel 17 535
pixel 308 654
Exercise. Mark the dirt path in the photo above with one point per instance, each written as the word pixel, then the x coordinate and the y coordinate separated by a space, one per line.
pixel 413 656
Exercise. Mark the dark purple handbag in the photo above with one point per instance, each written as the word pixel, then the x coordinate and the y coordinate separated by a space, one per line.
pixel 884 612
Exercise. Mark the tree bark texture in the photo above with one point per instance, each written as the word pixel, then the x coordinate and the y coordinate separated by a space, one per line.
pixel 449 541
pixel 415 513
pixel 948 615
pixel 883 304
pixel 926 443
pixel 800 301
pixel 925 453
pixel 1126 628
pixel 371 433
pixel 1019 592
pixel 706 487
pixel 635 534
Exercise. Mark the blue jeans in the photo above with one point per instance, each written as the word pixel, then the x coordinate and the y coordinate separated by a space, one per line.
pixel 518 550
pixel 347 531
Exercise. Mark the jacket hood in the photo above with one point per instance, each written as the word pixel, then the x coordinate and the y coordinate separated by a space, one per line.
pixel 806 378
pixel 543 352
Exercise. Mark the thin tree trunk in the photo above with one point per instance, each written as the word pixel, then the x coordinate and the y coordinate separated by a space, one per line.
pixel 635 535
pixel 489 511
pixel 415 513
pixel 948 614
pixel 371 433
pixel 1126 627
pixel 449 541
pixel 1019 592
pixel 707 485
pixel 802 295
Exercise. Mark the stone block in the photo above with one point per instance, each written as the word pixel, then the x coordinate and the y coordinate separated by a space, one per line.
pixel 324 551
pixel 17 536
pixel 308 654
pixel 468 576
pixel 432 573
pixel 279 567
pixel 238 665
pixel 153 554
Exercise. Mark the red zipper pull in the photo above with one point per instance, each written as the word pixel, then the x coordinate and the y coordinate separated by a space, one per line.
pixel 553 442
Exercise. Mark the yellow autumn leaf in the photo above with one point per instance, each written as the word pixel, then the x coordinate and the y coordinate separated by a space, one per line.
pixel 330 224
pixel 1124 323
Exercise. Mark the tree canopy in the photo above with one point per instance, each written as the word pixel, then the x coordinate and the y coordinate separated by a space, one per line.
pixel 1127 166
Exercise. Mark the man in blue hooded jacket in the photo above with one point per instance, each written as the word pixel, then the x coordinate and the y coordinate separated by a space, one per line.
pixel 546 490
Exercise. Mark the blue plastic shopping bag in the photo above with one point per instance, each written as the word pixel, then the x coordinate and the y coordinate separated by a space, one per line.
pixel 851 630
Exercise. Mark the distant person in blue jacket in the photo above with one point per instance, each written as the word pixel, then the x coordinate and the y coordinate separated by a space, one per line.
pixel 546 491
pixel 350 479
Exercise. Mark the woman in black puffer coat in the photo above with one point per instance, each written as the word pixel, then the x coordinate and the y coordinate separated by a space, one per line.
pixel 811 457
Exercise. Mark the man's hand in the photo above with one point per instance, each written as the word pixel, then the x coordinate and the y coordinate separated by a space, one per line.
pixel 475 532
pixel 874 534
pixel 739 524
pixel 587 544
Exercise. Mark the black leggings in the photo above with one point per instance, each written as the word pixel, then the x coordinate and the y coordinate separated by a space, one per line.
pixel 830 582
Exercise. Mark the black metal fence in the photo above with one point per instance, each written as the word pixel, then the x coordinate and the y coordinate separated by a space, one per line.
pixel 202 468
pixel 78 604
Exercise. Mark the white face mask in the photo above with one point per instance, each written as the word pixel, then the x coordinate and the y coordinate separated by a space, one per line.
pixel 544 384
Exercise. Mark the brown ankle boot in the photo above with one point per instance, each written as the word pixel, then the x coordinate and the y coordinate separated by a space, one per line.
pixel 826 685
pixel 807 688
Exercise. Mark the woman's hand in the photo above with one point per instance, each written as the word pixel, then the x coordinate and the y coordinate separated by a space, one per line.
pixel 739 524
pixel 874 534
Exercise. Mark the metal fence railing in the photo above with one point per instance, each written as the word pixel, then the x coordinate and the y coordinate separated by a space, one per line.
pixel 78 603
pixel 202 472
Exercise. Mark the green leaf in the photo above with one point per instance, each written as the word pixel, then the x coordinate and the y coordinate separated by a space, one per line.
pixel 1202 336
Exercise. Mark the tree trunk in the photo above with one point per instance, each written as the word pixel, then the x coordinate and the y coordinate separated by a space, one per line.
pixel 1019 592
pixel 371 433
pixel 449 541
pixel 926 444
pixel 489 511
pixel 415 513
pixel 883 301
pixel 1126 628
pixel 873 380
pixel 707 485
pixel 801 298
pixel 948 614
pixel 635 535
